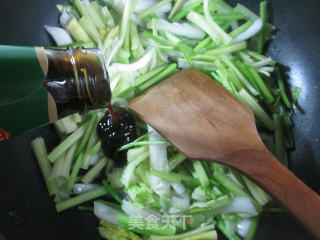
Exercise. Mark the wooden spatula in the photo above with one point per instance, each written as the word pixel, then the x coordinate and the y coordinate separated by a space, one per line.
pixel 205 122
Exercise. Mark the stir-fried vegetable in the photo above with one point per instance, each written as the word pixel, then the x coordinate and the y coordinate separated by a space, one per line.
pixel 158 193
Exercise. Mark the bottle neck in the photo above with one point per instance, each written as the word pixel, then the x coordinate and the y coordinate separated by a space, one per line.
pixel 77 80
pixel 40 85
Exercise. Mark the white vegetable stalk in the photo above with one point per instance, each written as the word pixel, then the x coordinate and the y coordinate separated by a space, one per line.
pixel 142 62
pixel 132 210
pixel 239 205
pixel 179 188
pixel 262 63
pixel 59 35
pixel 199 194
pixel 159 162
pixel 80 188
pixel 225 38
pixel 180 29
pixel 243 227
pixel 250 32
pixel 64 19
pixel 143 5
pixel 106 213
pixel 180 204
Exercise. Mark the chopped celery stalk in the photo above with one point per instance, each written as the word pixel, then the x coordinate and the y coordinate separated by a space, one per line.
pixel 163 230
pixel 235 80
pixel 152 9
pixel 130 168
pixel 252 229
pixel 184 12
pixel 202 45
pixel 78 4
pixel 88 26
pixel 75 171
pixel 126 41
pixel 112 192
pixel 248 100
pixel 137 49
pixel 143 78
pixel 172 68
pixel 228 49
pixel 67 143
pixel 178 5
pixel 263 87
pixel 95 14
pixel 125 20
pixel 241 29
pixel 176 160
pixel 157 39
pixel 66 125
pixel 201 173
pixel 242 78
pixel 202 23
pixel 107 17
pixel 84 197
pixel 86 135
pixel 40 151
pixel 154 26
pixel 263 13
pixel 282 88
pixel 237 190
pixel 94 171
pixel 259 195
pixel 175 177
pixel 203 57
pixel 123 56
pixel 96 149
pixel 109 39
pixel 93 140
pixel 141 172
pixel 88 11
pixel 223 228
pixel 69 156
pixel 244 69
pixel 59 171
pixel 280 150
pixel 77 32
pixel 223 36
pixel 219 202
pixel 141 143
pixel 231 16
pixel 256 55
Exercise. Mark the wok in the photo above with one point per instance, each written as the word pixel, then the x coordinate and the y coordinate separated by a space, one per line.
pixel 26 210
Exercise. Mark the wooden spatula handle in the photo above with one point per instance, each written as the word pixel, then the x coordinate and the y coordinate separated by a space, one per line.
pixel 290 191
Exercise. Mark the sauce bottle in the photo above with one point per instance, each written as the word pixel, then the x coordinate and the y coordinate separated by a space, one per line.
pixel 40 85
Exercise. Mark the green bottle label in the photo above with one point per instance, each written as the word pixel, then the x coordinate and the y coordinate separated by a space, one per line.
pixel 23 100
